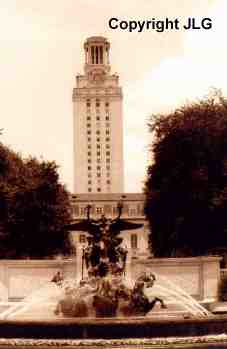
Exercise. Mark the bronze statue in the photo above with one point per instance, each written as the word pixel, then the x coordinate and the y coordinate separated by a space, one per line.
pixel 104 252
pixel 105 260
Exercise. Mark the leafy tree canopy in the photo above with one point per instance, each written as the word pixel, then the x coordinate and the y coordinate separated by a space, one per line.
pixel 186 186
pixel 34 208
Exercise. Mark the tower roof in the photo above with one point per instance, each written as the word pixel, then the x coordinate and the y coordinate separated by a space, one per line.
pixel 96 39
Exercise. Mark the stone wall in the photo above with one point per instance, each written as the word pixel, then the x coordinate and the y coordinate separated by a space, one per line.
pixel 19 278
pixel 198 276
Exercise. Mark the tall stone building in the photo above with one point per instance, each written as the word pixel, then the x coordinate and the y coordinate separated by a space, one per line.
pixel 98 148
pixel 98 124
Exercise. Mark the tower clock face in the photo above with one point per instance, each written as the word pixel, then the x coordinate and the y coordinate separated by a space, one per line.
pixel 97 76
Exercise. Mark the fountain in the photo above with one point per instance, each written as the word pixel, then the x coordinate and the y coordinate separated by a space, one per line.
pixel 106 303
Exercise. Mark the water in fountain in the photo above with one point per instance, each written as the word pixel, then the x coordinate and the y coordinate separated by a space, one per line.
pixel 175 297
pixel 49 294
pixel 43 302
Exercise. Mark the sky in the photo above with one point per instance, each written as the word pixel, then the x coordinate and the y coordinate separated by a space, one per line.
pixel 41 52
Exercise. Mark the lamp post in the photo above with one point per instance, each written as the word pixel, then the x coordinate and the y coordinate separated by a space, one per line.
pixel 119 208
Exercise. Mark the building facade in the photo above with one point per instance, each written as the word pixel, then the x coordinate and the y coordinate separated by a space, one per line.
pixel 133 210
pixel 98 124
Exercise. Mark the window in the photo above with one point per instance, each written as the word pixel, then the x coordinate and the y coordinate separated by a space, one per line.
pixel 99 210
pixel 98 132
pixel 98 153
pixel 107 146
pixel 98 146
pixel 107 174
pixel 125 209
pixel 83 211
pixel 98 139
pixel 107 139
pixel 89 146
pixel 88 103
pixel 98 167
pixel 89 139
pixel 108 209
pixel 82 239
pixel 98 174
pixel 98 160
pixel 89 161
pixel 89 168
pixel 107 153
pixel 108 167
pixel 89 153
pixel 89 189
pixel 98 189
pixel 140 210
pixel 88 125
pixel 107 118
pixel 89 182
pixel 97 103
pixel 108 181
pixel 132 212
pixel 89 175
pixel 88 118
pixel 107 132
pixel 115 210
pixel 134 241
pixel 76 210
pixel 98 118
pixel 107 104
pixel 107 159
pixel 88 132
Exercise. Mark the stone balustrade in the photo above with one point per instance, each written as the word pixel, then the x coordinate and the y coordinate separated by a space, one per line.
pixel 198 276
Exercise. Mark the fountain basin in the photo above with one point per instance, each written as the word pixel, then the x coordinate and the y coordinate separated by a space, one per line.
pixel 105 328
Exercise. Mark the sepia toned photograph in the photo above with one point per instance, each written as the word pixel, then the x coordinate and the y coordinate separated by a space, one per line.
pixel 113 174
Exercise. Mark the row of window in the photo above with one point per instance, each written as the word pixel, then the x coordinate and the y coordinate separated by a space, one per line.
pixel 98 132
pixel 97 103
pixel 98 146
pixel 98 153
pixel 107 181
pixel 98 139
pixel 98 160
pixel 98 117
pixel 108 209
pixel 134 240
pixel 90 189
pixel 99 173
pixel 107 125
pixel 98 167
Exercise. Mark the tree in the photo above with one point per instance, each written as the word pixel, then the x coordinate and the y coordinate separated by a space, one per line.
pixel 34 208
pixel 186 186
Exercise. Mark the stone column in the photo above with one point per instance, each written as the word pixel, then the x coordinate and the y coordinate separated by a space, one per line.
pixel 128 269
pixel 79 256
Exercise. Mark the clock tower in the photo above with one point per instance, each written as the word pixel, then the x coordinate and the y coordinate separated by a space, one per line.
pixel 98 124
